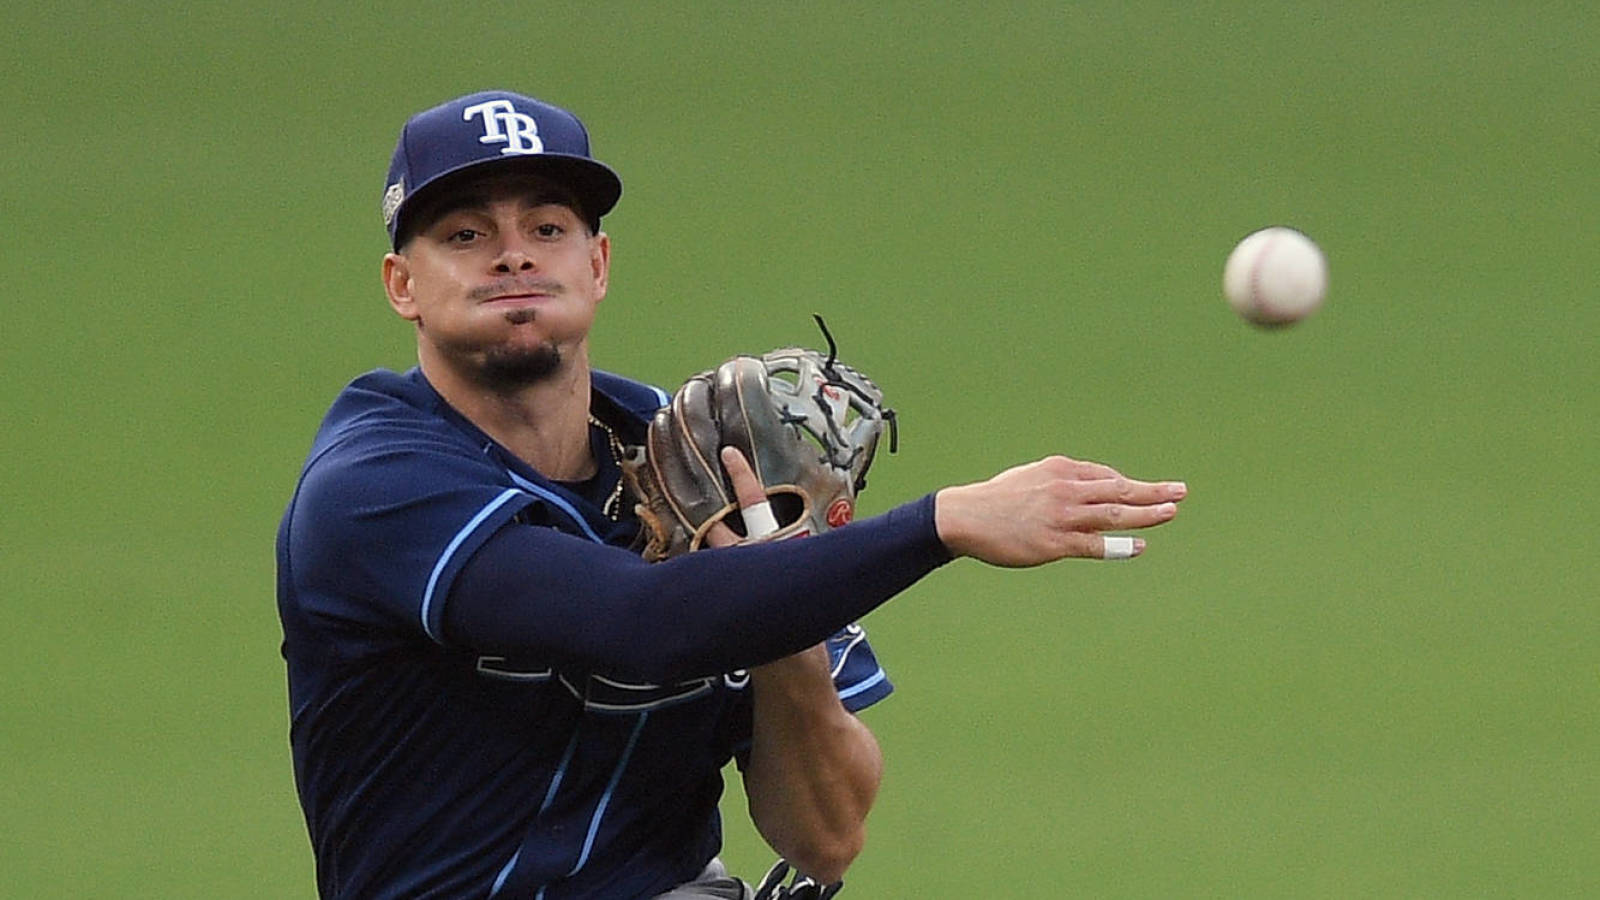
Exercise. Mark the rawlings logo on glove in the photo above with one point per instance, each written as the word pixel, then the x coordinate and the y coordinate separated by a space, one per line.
pixel 808 424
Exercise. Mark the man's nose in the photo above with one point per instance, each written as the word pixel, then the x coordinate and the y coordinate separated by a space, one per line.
pixel 516 255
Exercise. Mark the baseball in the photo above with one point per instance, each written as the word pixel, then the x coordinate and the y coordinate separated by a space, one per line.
pixel 1276 276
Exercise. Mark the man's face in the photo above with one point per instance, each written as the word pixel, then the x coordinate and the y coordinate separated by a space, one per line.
pixel 501 276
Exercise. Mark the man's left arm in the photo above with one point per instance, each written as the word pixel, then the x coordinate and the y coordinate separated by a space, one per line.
pixel 813 767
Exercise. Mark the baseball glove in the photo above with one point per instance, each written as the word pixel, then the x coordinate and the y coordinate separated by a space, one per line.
pixel 808 424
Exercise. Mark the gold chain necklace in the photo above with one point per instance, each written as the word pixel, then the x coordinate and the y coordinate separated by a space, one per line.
pixel 612 507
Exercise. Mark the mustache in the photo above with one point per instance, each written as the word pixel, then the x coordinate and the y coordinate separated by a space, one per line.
pixel 532 284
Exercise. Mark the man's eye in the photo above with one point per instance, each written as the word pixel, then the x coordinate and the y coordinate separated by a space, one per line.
pixel 549 230
pixel 463 235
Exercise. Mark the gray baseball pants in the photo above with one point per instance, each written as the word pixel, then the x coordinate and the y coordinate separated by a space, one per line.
pixel 713 884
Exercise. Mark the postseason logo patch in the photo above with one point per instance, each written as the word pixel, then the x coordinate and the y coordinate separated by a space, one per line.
pixel 391 201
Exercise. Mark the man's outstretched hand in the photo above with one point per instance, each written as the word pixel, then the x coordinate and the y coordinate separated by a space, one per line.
pixel 1052 509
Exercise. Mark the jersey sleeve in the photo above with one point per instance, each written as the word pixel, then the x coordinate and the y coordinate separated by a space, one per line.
pixel 382 523
pixel 857 675
pixel 581 607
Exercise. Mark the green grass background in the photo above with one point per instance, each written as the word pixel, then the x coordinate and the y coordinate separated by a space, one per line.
pixel 1364 660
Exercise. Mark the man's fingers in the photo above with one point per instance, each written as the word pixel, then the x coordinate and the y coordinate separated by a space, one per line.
pixel 1118 516
pixel 1113 504
pixel 747 487
pixel 1129 491
pixel 1116 546
pixel 1119 503
pixel 752 496
pixel 1089 545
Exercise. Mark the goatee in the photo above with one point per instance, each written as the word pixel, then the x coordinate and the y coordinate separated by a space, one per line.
pixel 506 368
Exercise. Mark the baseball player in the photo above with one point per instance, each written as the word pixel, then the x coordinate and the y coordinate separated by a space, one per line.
pixel 492 693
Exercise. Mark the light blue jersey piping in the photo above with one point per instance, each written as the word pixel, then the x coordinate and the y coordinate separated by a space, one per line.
pixel 599 810
pixel 860 686
pixel 549 797
pixel 450 550
pixel 557 501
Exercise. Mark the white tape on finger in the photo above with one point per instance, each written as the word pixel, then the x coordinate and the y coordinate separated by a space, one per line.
pixel 1118 547
pixel 759 520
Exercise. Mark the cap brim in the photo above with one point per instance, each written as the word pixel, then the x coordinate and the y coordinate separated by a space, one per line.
pixel 596 188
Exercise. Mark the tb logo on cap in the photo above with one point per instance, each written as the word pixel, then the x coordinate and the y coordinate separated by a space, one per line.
pixel 502 124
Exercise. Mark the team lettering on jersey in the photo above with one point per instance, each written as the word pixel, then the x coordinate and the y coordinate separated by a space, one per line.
pixel 602 694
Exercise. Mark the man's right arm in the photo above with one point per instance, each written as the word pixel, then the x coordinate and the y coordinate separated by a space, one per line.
pixel 583 606
pixel 595 608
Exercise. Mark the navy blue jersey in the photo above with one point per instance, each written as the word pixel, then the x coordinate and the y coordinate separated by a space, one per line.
pixel 491 695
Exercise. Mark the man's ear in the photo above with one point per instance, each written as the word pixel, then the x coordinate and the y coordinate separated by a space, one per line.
pixel 600 263
pixel 397 284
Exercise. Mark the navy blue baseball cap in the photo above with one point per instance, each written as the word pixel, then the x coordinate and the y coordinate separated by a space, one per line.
pixel 495 128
